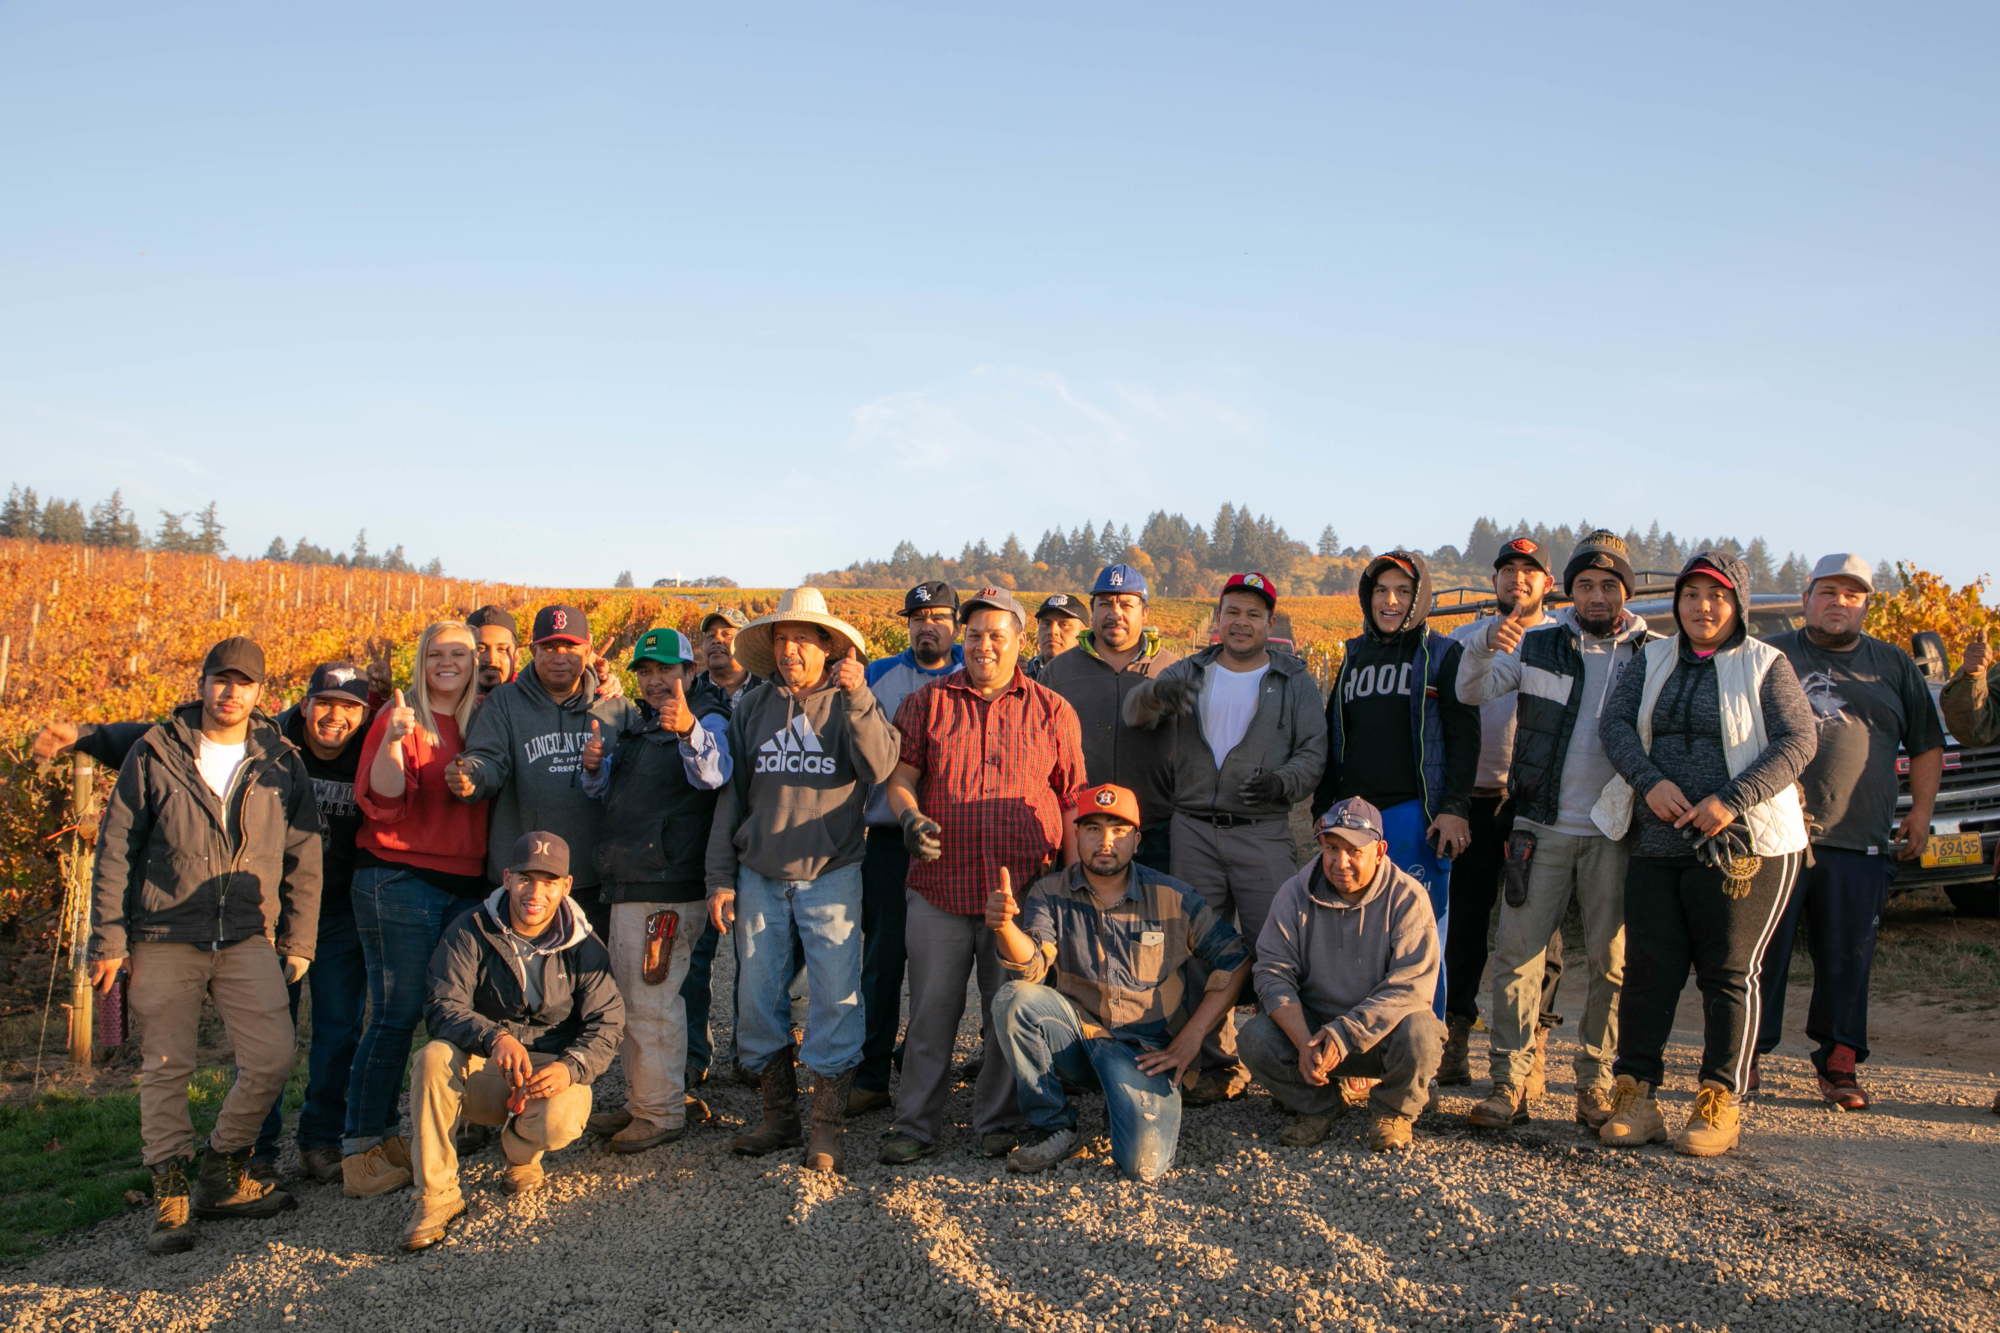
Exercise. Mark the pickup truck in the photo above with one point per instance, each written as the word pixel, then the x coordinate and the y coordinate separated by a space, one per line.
pixel 1965 823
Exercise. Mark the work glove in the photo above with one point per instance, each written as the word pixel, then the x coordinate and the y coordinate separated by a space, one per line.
pixel 1175 695
pixel 1263 789
pixel 1722 850
pixel 920 835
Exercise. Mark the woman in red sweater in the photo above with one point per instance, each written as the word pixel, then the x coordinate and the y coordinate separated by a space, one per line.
pixel 421 864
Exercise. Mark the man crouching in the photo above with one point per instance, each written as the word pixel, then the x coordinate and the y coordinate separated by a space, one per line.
pixel 1347 967
pixel 522 986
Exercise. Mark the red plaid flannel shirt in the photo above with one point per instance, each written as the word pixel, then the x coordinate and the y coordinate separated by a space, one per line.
pixel 996 774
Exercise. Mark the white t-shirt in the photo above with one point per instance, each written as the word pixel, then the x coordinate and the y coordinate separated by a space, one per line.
pixel 1231 703
pixel 218 764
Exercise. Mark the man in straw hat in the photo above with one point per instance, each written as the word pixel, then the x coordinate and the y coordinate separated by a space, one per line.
pixel 806 743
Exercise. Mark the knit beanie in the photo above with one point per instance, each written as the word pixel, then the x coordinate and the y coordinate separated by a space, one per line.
pixel 1602 549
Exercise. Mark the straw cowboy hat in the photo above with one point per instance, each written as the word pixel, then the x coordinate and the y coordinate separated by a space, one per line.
pixel 804 606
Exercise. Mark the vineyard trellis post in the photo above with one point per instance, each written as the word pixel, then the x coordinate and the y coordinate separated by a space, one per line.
pixel 76 913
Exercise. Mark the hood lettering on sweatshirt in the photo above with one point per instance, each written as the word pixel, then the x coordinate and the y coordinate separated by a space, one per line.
pixel 794 749
pixel 1386 678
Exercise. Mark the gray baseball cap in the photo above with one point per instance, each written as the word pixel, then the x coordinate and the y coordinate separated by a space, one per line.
pixel 1843 565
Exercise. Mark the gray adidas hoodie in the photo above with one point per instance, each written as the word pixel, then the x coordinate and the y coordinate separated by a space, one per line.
pixel 524 755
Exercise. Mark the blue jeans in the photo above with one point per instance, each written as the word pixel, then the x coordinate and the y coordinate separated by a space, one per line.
pixel 883 917
pixel 825 913
pixel 400 920
pixel 1041 1036
pixel 1403 827
pixel 1841 897
pixel 695 994
pixel 339 982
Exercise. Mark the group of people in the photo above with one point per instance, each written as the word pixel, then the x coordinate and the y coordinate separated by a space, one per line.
pixel 1056 804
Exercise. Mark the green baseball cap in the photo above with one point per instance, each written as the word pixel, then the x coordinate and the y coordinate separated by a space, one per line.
pixel 668 647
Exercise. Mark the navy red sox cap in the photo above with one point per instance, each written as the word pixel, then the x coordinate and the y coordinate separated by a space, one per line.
pixel 561 624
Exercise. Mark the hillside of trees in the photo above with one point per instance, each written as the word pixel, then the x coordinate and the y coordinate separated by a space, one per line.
pixel 1183 559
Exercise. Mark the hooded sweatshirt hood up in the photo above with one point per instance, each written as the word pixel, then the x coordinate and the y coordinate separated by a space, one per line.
pixel 1420 609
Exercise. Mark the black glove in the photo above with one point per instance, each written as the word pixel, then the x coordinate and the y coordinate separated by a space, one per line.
pixel 1175 695
pixel 920 835
pixel 1263 789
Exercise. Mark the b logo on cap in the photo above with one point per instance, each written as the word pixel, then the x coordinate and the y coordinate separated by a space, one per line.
pixel 560 620
pixel 1107 797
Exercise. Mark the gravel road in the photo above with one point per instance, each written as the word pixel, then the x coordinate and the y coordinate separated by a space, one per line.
pixel 1889 1220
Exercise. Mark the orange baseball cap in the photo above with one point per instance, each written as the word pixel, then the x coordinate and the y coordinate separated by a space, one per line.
pixel 1108 799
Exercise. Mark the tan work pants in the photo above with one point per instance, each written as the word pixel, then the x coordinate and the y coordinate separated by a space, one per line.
pixel 445 1079
pixel 654 1047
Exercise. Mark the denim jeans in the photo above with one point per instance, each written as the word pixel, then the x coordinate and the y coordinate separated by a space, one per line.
pixel 883 918
pixel 1041 1036
pixel 695 992
pixel 400 920
pixel 339 981
pixel 825 913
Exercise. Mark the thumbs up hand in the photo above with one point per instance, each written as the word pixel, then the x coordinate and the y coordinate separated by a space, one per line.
pixel 402 720
pixel 1508 633
pixel 593 749
pixel 675 715
pixel 1000 905
pixel 1977 654
pixel 850 674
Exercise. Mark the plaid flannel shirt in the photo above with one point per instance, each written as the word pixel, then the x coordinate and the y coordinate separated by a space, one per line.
pixel 996 774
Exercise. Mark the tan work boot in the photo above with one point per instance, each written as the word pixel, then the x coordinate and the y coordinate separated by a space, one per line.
pixel 397 1149
pixel 1537 1084
pixel 1306 1131
pixel 608 1122
pixel 1216 1085
pixel 171 1233
pixel 363 1175
pixel 780 1128
pixel 1455 1069
pixel 1593 1107
pixel 1714 1126
pixel 863 1100
pixel 1503 1108
pixel 1388 1131
pixel 429 1219
pixel 225 1188
pixel 523 1178
pixel 1635 1117
pixel 639 1134
pixel 829 1122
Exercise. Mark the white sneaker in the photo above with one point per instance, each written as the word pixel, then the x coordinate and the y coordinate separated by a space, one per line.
pixel 1042 1148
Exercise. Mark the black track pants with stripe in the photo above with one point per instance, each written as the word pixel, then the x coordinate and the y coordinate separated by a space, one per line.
pixel 1680 915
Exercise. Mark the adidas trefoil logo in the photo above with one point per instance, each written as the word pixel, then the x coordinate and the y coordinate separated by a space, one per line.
pixel 795 749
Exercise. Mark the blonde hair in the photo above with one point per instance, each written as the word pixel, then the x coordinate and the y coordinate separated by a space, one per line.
pixel 420 683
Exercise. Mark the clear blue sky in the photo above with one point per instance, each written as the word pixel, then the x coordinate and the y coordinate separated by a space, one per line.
pixel 552 292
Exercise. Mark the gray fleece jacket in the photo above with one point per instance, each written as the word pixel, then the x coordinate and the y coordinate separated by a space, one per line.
pixel 1287 736
pixel 1362 967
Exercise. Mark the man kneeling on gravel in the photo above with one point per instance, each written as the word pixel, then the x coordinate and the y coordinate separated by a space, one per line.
pixel 1347 968
pixel 523 1014
pixel 1114 934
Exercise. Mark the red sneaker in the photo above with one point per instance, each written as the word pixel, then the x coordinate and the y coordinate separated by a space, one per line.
pixel 1755 1081
pixel 1837 1083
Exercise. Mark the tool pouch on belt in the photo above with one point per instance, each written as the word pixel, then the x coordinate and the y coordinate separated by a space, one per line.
pixel 659 946
pixel 1520 854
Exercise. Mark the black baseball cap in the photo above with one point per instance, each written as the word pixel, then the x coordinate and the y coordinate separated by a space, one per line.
pixel 494 615
pixel 1524 548
pixel 1061 604
pixel 561 624
pixel 237 654
pixel 933 592
pixel 540 853
pixel 1355 820
pixel 342 678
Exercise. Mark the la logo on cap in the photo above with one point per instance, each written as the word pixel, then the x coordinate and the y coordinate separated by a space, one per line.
pixel 1117 578
pixel 1107 797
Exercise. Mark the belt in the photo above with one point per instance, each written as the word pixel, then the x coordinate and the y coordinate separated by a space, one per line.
pixel 1233 821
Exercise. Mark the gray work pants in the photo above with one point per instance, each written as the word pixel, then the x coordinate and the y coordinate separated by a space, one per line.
pixel 944 950
pixel 1405 1061
pixel 1239 870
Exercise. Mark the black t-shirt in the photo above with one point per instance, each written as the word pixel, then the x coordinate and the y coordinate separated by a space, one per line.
pixel 1865 701
pixel 1378 760
pixel 339 816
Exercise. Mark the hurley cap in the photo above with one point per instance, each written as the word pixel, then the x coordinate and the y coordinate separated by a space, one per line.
pixel 728 615
pixel 1061 604
pixel 342 678
pixel 1114 579
pixel 668 647
pixel 494 615
pixel 1524 548
pixel 930 593
pixel 1843 565
pixel 1256 583
pixel 561 624
pixel 1355 820
pixel 999 599
pixel 540 853
pixel 237 654
pixel 1108 799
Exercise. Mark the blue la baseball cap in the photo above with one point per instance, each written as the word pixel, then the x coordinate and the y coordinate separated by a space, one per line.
pixel 1117 579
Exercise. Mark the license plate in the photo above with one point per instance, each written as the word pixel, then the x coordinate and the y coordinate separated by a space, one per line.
pixel 1952 849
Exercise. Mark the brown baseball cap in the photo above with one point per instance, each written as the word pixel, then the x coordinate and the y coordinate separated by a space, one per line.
pixel 540 853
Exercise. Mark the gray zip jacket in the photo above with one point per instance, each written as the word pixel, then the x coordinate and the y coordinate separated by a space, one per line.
pixel 1287 737
pixel 1361 967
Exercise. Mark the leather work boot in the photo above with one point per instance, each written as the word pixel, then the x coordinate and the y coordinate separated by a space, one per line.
pixel 863 1100
pixel 1306 1131
pixel 1503 1108
pixel 1215 1086
pixel 429 1219
pixel 999 1143
pixel 171 1233
pixel 608 1122
pixel 696 1112
pixel 526 1178
pixel 468 1138
pixel 225 1188
pixel 826 1152
pixel 1388 1131
pixel 363 1175
pixel 638 1135
pixel 1635 1117
pixel 1455 1069
pixel 1714 1126
pixel 780 1129
pixel 1593 1107
pixel 397 1149
pixel 322 1164
pixel 1537 1085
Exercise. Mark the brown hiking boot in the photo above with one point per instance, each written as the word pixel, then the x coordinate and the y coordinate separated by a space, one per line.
pixel 468 1138
pixel 363 1175
pixel 225 1188
pixel 1388 1131
pixel 429 1219
pixel 696 1112
pixel 780 1128
pixel 171 1233
pixel 638 1135
pixel 1215 1086
pixel 608 1122
pixel 1593 1107
pixel 520 1179
pixel 1537 1084
pixel 397 1149
pixel 1307 1131
pixel 863 1100
pixel 1635 1117
pixel 322 1164
pixel 1455 1069
pixel 1714 1126
pixel 1503 1108
pixel 829 1121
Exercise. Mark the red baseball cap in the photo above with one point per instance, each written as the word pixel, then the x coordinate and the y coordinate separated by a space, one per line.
pixel 1256 583
pixel 1108 799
